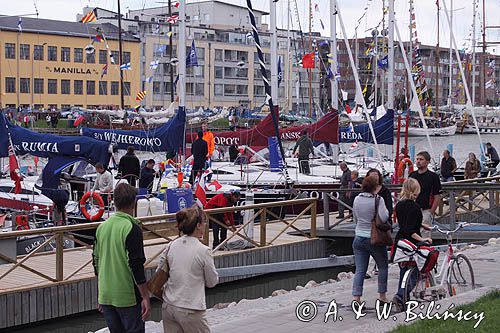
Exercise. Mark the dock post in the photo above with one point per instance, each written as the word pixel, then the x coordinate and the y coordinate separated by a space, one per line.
pixel 453 209
pixel 263 222
pixel 491 198
pixel 412 152
pixel 326 211
pixel 449 147
pixel 313 219
pixel 59 256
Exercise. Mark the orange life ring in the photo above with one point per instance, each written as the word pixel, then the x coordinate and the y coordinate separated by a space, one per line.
pixel 406 162
pixel 100 203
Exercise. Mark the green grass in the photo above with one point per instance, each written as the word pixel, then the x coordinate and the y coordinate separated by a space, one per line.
pixel 489 303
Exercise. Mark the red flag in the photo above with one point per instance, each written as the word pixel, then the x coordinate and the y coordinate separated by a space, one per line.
pixel 14 168
pixel 347 108
pixel 308 60
pixel 79 120
pixel 200 194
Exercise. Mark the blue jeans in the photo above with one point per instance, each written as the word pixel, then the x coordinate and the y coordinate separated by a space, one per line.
pixel 410 283
pixel 124 320
pixel 362 252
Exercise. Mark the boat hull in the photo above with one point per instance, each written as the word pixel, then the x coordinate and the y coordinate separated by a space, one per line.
pixel 442 131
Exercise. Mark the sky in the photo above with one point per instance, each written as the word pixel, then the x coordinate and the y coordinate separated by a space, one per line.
pixel 351 11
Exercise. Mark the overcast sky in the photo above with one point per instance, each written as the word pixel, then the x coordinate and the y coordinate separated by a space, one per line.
pixel 352 10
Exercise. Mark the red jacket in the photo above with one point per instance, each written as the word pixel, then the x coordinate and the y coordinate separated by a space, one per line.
pixel 221 201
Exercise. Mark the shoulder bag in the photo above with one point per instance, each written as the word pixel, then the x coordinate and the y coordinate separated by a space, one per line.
pixel 381 230
pixel 157 282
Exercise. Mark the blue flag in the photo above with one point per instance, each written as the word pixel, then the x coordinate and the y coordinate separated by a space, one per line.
pixel 280 72
pixel 383 63
pixel 192 58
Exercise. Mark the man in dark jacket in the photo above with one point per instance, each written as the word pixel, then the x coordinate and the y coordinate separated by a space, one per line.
pixel 305 147
pixel 491 152
pixel 199 149
pixel 448 167
pixel 129 166
pixel 147 176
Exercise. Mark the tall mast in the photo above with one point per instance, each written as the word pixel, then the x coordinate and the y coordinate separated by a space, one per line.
pixel 390 58
pixel 410 54
pixel 474 4
pixel 437 60
pixel 288 87
pixel 310 70
pixel 333 30
pixel 274 54
pixel 171 68
pixel 181 52
pixel 267 87
pixel 120 56
pixel 450 67
pixel 483 60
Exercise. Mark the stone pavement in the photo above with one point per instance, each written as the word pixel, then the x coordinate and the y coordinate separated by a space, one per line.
pixel 278 314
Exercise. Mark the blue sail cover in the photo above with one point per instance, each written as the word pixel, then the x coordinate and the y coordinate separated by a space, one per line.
pixel 383 128
pixel 168 137
pixel 26 141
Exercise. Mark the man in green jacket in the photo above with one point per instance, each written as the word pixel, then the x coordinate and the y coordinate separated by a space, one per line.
pixel 118 260
pixel 305 147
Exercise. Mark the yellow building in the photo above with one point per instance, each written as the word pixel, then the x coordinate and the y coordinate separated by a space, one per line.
pixel 45 65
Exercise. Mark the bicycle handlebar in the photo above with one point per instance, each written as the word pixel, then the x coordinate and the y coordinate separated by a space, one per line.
pixel 448 232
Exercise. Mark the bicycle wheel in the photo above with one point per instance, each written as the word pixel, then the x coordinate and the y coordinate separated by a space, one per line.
pixel 460 275
pixel 421 291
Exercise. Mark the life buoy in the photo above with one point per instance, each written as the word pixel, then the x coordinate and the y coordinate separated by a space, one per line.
pixel 405 163
pixel 83 203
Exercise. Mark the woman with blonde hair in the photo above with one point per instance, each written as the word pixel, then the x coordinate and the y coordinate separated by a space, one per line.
pixel 191 268
pixel 409 217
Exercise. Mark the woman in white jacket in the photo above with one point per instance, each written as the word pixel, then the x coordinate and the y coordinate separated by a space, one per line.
pixel 191 269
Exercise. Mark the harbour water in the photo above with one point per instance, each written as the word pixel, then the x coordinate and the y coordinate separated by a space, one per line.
pixel 261 286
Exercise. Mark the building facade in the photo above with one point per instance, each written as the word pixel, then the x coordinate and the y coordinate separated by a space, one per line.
pixel 45 65
pixel 228 73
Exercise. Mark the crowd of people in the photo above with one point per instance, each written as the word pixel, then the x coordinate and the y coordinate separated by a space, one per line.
pixel 414 213
pixel 118 255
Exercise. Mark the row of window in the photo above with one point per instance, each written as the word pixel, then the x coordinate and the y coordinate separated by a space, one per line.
pixel 192 88
pixel 65 52
pixel 52 86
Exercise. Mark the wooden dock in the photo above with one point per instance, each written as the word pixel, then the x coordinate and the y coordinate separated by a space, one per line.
pixel 28 296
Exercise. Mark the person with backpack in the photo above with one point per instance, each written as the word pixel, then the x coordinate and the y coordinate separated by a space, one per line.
pixel 409 217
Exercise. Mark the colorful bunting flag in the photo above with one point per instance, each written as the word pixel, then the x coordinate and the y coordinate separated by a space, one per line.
pixel 104 70
pixel 89 17
pixel 126 66
pixel 140 95
pixel 308 60
pixel 177 4
pixel 173 19
pixel 169 34
pixel 149 79
pixel 111 58
pixel 153 64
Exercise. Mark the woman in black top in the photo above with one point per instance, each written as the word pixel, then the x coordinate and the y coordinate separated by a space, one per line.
pixel 409 217
pixel 382 190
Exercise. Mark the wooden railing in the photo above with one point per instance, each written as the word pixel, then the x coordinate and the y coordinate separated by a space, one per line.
pixel 160 227
pixel 476 197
